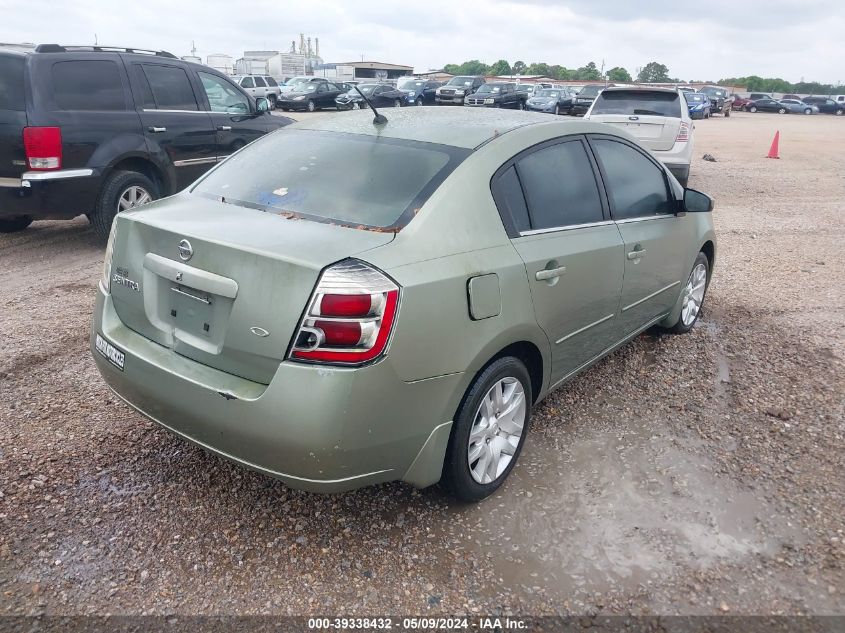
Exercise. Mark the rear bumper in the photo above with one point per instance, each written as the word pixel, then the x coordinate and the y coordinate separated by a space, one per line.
pixel 317 429
pixel 58 194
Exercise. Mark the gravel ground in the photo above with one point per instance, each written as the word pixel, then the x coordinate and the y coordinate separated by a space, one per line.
pixel 700 474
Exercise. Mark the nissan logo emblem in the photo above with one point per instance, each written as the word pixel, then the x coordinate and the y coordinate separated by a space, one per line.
pixel 186 251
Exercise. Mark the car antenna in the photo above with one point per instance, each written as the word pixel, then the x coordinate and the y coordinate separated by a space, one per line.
pixel 379 119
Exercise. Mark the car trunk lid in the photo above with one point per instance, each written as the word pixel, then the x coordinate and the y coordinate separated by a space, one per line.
pixel 654 132
pixel 221 284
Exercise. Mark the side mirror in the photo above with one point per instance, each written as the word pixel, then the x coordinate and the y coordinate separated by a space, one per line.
pixel 262 105
pixel 697 202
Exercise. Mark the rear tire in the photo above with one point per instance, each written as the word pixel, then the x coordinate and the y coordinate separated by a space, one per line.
pixel 272 99
pixel 460 469
pixel 116 186
pixel 839 112
pixel 15 223
pixel 693 295
pixel 397 103
pixel 557 110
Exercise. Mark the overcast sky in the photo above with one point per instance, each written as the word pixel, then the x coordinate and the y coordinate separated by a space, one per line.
pixel 705 40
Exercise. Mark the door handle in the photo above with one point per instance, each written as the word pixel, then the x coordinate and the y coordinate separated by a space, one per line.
pixel 224 128
pixel 636 254
pixel 549 273
pixel 156 130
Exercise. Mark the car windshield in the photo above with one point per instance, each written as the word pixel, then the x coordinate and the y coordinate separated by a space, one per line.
pixel 307 88
pixel 392 178
pixel 293 81
pixel 409 84
pixel 367 89
pixel 460 81
pixel 550 93
pixel 590 91
pixel 638 102
pixel 694 98
pixel 489 88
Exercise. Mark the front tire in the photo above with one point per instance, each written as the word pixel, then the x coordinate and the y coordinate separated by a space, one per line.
pixel 489 431
pixel 808 111
pixel 311 106
pixel 692 295
pixel 419 101
pixel 122 191
pixel 752 109
pixel 557 110
pixel 15 223
pixel 397 103
pixel 781 110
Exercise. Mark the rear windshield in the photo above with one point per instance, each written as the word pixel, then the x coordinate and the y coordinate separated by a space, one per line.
pixel 390 180
pixel 639 102
pixel 590 91
pixel 11 83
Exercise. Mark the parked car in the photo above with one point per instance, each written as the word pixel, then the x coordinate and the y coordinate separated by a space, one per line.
pixel 739 103
pixel 291 327
pixel 294 84
pixel 825 105
pixel 797 106
pixel 657 117
pixel 381 96
pixel 310 96
pixel 755 96
pixel 791 97
pixel 699 105
pixel 553 101
pixel 529 90
pixel 259 86
pixel 419 91
pixel 767 105
pixel 500 94
pixel 96 131
pixel 719 100
pixel 585 97
pixel 456 89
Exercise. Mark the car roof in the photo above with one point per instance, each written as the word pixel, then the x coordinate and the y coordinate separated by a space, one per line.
pixel 641 89
pixel 460 127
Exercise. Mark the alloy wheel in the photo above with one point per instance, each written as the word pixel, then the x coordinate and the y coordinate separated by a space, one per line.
pixel 397 103
pixel 132 197
pixel 496 430
pixel 311 106
pixel 694 294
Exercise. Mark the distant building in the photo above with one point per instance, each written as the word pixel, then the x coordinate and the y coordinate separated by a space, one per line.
pixel 363 71
pixel 221 63
pixel 287 65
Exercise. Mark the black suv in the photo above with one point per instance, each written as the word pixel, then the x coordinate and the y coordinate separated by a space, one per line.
pixel 98 130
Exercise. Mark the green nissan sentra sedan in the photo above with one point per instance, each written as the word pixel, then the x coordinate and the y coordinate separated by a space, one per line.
pixel 388 302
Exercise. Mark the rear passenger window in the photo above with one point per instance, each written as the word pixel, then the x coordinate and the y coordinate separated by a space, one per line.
pixel 509 198
pixel 170 87
pixel 560 186
pixel 259 82
pixel 247 82
pixel 271 82
pixel 88 85
pixel 636 186
pixel 11 83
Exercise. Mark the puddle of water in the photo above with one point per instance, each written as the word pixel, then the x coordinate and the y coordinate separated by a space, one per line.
pixel 613 510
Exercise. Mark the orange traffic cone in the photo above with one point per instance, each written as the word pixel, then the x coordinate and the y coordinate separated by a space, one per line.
pixel 773 151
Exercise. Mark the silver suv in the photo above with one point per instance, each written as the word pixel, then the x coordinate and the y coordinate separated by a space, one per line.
pixel 260 86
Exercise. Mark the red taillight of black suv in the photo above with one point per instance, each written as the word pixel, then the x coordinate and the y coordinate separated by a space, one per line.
pixel 43 147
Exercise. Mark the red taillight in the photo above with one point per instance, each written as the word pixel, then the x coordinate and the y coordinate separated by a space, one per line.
pixel 345 305
pixel 43 147
pixel 349 318
pixel 683 133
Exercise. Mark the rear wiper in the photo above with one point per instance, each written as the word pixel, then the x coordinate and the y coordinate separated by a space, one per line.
pixel 379 119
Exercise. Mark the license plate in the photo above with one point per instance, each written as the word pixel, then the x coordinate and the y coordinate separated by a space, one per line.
pixel 110 352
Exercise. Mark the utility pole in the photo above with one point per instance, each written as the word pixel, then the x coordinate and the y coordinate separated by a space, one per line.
pixel 95 39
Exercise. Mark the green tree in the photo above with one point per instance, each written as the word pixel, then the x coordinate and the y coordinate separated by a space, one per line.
pixel 519 68
pixel 559 72
pixel 501 67
pixel 538 68
pixel 653 72
pixel 618 74
pixel 588 73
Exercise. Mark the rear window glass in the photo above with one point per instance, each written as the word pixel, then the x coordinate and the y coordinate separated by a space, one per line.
pixel 88 85
pixel 639 102
pixel 11 83
pixel 391 179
